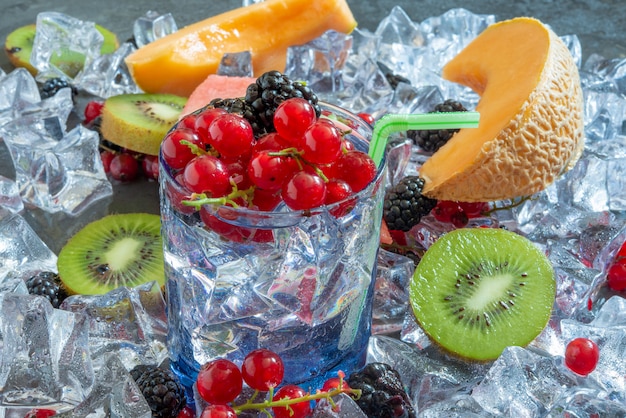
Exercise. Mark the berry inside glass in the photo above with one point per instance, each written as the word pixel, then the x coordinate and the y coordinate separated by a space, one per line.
pixel 284 261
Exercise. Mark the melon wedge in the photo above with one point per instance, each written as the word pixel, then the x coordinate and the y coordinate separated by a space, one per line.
pixel 179 62
pixel 531 116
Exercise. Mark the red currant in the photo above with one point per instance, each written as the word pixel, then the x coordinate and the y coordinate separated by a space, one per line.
pixel 269 171
pixel 207 174
pixel 266 200
pixel 262 369
pixel 92 111
pixel 188 121
pixel 187 412
pixel 321 143
pixel 333 383
pixel 231 135
pixel 271 142
pixel 357 169
pixel 581 356
pixel 337 190
pixel 296 410
pixel 40 413
pixel 292 118
pixel 616 276
pixel 175 154
pixel 218 411
pixel 219 381
pixel 124 167
pixel 304 190
pixel 222 228
pixel 106 157
pixel 367 118
pixel 150 166
pixel 203 121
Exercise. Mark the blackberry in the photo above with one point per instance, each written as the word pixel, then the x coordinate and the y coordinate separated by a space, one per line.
pixel 392 78
pixel 382 392
pixel 163 392
pixel 404 204
pixel 48 285
pixel 432 140
pixel 240 107
pixel 51 86
pixel 270 90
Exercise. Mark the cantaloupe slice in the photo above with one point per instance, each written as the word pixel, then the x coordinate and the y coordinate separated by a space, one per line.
pixel 531 116
pixel 180 61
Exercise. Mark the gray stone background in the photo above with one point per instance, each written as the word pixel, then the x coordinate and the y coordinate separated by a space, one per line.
pixel 600 24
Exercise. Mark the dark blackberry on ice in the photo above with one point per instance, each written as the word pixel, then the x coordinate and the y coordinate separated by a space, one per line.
pixel 52 86
pixel 405 205
pixel 48 285
pixel 382 392
pixel 270 90
pixel 161 389
pixel 432 140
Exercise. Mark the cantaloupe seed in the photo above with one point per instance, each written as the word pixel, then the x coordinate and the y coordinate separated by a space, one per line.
pixel 122 253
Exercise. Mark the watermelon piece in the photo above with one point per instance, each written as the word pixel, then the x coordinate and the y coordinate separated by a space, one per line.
pixel 217 86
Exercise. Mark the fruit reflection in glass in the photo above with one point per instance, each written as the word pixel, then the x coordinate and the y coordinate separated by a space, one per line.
pixel 298 282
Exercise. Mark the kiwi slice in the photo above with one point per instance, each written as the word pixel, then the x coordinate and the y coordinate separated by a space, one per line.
pixel 117 250
pixel 19 46
pixel 139 122
pixel 477 291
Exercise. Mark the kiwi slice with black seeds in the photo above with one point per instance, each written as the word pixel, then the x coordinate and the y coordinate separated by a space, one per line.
pixel 19 46
pixel 139 122
pixel 117 250
pixel 477 291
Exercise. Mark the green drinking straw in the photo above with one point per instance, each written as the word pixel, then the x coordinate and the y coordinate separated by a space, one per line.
pixel 420 121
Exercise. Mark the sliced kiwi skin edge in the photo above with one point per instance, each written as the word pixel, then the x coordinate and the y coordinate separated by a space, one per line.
pixel 444 279
pixel 82 262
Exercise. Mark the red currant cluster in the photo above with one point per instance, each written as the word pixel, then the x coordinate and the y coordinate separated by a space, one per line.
pixel 616 274
pixel 220 382
pixel 458 213
pixel 306 163
pixel 121 165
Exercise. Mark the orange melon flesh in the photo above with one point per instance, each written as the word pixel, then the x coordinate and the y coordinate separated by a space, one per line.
pixel 180 61
pixel 531 117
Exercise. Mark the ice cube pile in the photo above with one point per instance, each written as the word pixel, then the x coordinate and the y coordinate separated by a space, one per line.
pixel 76 359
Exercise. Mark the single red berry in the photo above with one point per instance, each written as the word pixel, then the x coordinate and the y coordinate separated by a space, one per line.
pixel 269 171
pixel 581 356
pixel 231 135
pixel 271 142
pixel 106 157
pixel 321 142
pixel 292 118
pixel 219 381
pixel 188 121
pixel 177 154
pixel 207 174
pixel 204 120
pixel 296 410
pixel 222 228
pixel 266 200
pixel 304 190
pixel 40 413
pixel 124 167
pixel 474 209
pixel 333 383
pixel 262 369
pixel 218 411
pixel 150 166
pixel 616 276
pixel 367 117
pixel 92 111
pixel 337 190
pixel 187 412
pixel 357 169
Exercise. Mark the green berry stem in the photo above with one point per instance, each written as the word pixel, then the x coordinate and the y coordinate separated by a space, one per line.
pixel 297 155
pixel 511 205
pixel 286 402
pixel 198 200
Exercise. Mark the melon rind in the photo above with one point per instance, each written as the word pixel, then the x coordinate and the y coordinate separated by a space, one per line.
pixel 542 141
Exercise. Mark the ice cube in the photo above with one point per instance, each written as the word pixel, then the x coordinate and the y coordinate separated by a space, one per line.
pixel 152 26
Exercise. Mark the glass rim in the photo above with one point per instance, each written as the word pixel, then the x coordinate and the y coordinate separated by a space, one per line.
pixel 294 215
